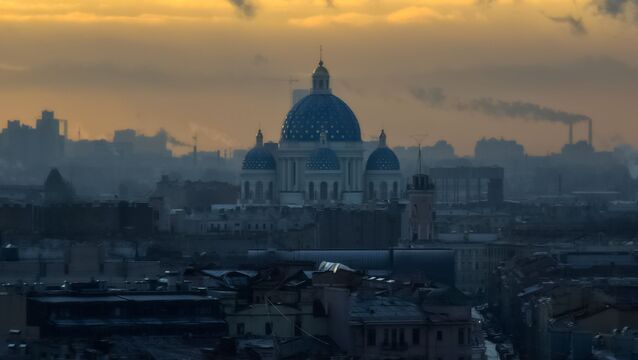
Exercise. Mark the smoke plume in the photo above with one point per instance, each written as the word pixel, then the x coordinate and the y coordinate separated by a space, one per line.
pixel 436 97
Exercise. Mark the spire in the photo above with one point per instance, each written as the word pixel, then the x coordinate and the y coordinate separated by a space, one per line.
pixel 420 172
pixel 321 77
pixel 382 139
pixel 259 138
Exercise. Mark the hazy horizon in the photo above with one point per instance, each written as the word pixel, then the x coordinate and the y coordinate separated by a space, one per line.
pixel 457 70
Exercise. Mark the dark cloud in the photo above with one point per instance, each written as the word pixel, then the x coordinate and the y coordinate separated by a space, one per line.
pixel 617 8
pixel 576 25
pixel 435 97
pixel 246 7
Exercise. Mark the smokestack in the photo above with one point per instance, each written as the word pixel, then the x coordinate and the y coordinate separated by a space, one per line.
pixel 571 133
pixel 591 135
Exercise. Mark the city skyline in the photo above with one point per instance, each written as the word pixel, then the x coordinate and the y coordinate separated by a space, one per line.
pixel 160 64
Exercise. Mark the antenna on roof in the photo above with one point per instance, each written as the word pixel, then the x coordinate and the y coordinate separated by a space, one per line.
pixel 418 138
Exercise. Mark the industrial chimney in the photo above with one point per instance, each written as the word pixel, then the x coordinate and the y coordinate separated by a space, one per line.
pixel 591 134
pixel 571 133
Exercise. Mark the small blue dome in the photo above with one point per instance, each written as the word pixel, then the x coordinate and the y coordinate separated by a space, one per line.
pixel 258 158
pixel 317 112
pixel 383 158
pixel 323 159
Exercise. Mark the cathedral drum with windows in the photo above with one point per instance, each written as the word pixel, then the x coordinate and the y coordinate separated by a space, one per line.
pixel 319 158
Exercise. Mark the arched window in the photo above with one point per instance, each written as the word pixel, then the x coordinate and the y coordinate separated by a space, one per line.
pixel 311 191
pixel 246 190
pixel 383 190
pixel 259 191
pixel 269 194
pixel 395 189
pixel 335 191
pixel 371 190
pixel 323 190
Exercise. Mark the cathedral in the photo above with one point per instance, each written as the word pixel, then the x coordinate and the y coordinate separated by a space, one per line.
pixel 320 157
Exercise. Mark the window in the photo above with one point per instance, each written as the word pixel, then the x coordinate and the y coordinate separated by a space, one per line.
pixel 394 338
pixel 439 335
pixel 268 328
pixel 241 329
pixel 259 191
pixel 246 190
pixel 461 336
pixel 371 190
pixel 323 190
pixel 402 336
pixel 383 189
pixel 416 336
pixel 386 336
pixel 269 194
pixel 335 191
pixel 395 189
pixel 311 191
pixel 372 337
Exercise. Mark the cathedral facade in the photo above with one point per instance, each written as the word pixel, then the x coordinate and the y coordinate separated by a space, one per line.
pixel 320 157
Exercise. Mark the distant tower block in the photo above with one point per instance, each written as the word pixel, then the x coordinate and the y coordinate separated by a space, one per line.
pixel 591 134
pixel 421 209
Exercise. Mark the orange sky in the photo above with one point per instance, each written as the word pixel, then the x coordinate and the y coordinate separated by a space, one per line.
pixel 221 68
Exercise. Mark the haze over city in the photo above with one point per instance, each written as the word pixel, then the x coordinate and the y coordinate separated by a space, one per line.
pixel 221 69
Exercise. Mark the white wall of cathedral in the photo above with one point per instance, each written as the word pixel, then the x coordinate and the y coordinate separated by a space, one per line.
pixel 292 158
pixel 258 187
pixel 383 185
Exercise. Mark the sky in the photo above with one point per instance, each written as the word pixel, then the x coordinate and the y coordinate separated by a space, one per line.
pixel 458 70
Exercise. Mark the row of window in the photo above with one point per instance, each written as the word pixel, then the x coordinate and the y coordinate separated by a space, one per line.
pixel 259 194
pixel 383 191
pixel 395 337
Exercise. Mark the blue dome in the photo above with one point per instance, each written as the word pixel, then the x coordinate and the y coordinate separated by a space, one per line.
pixel 323 159
pixel 317 112
pixel 383 158
pixel 258 158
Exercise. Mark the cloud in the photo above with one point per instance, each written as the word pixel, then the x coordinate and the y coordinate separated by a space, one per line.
pixel 435 97
pixel 11 67
pixel 330 3
pixel 350 18
pixel 415 14
pixel 246 7
pixel 576 25
pixel 616 8
pixel 485 2
pixel 591 72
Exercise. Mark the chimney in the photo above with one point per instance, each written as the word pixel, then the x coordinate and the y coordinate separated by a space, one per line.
pixel 571 133
pixel 591 134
